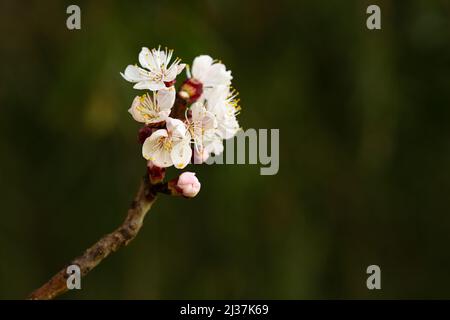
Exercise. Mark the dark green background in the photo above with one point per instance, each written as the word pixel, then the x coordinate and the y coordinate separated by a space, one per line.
pixel 364 153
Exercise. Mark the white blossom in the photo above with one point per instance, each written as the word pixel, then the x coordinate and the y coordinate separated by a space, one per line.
pixel 210 117
pixel 222 103
pixel 201 124
pixel 212 143
pixel 210 73
pixel 155 71
pixel 171 146
pixel 154 107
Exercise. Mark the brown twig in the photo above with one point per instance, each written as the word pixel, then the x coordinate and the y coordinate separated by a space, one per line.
pixel 110 243
pixel 146 196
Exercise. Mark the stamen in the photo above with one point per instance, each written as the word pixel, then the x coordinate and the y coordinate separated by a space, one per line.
pixel 188 71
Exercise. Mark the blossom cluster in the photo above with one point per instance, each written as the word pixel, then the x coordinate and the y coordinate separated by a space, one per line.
pixel 188 125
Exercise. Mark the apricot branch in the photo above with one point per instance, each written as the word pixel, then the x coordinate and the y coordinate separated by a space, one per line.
pixel 105 246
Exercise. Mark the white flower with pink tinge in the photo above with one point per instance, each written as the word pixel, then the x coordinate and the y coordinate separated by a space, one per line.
pixel 188 184
pixel 193 126
pixel 222 103
pixel 154 107
pixel 155 72
pixel 209 72
pixel 200 124
pixel 206 75
pixel 171 146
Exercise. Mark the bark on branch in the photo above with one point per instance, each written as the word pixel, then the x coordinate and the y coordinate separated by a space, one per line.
pixel 110 243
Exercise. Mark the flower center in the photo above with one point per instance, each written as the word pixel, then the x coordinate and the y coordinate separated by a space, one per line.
pixel 165 143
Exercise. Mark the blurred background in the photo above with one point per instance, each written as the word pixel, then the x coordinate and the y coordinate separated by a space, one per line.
pixel 364 150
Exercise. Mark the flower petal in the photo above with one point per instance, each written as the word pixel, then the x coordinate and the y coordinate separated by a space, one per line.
pixel 134 110
pixel 181 154
pixel 215 146
pixel 150 144
pixel 165 98
pixel 177 128
pixel 134 74
pixel 228 127
pixel 200 66
pixel 217 75
pixel 216 95
pixel 153 151
pixel 159 134
pixel 200 155
pixel 180 67
pixel 198 110
pixel 170 74
pixel 146 59
pixel 162 159
pixel 149 85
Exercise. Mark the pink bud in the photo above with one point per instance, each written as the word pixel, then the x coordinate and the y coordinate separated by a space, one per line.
pixel 188 184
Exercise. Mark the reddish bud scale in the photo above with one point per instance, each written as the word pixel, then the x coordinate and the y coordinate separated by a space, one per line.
pixel 147 130
pixel 144 133
pixel 193 88
pixel 170 83
pixel 156 174
pixel 179 108
pixel 173 187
